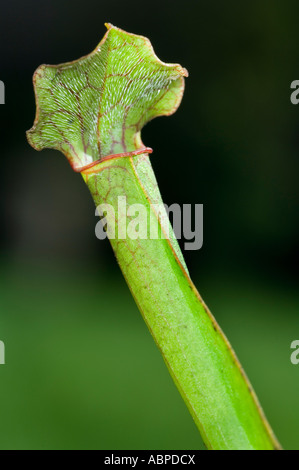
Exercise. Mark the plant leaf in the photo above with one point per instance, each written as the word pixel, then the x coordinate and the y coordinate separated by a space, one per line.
pixel 97 105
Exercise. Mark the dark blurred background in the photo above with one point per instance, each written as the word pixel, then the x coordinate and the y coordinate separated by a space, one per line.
pixel 82 370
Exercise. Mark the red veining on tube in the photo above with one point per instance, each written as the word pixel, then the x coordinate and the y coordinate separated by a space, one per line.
pixel 114 155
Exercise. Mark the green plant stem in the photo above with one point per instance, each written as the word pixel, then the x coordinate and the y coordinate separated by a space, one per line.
pixel 198 356
pixel 93 110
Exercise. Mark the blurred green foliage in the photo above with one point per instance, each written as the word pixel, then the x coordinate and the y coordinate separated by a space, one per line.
pixel 82 370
